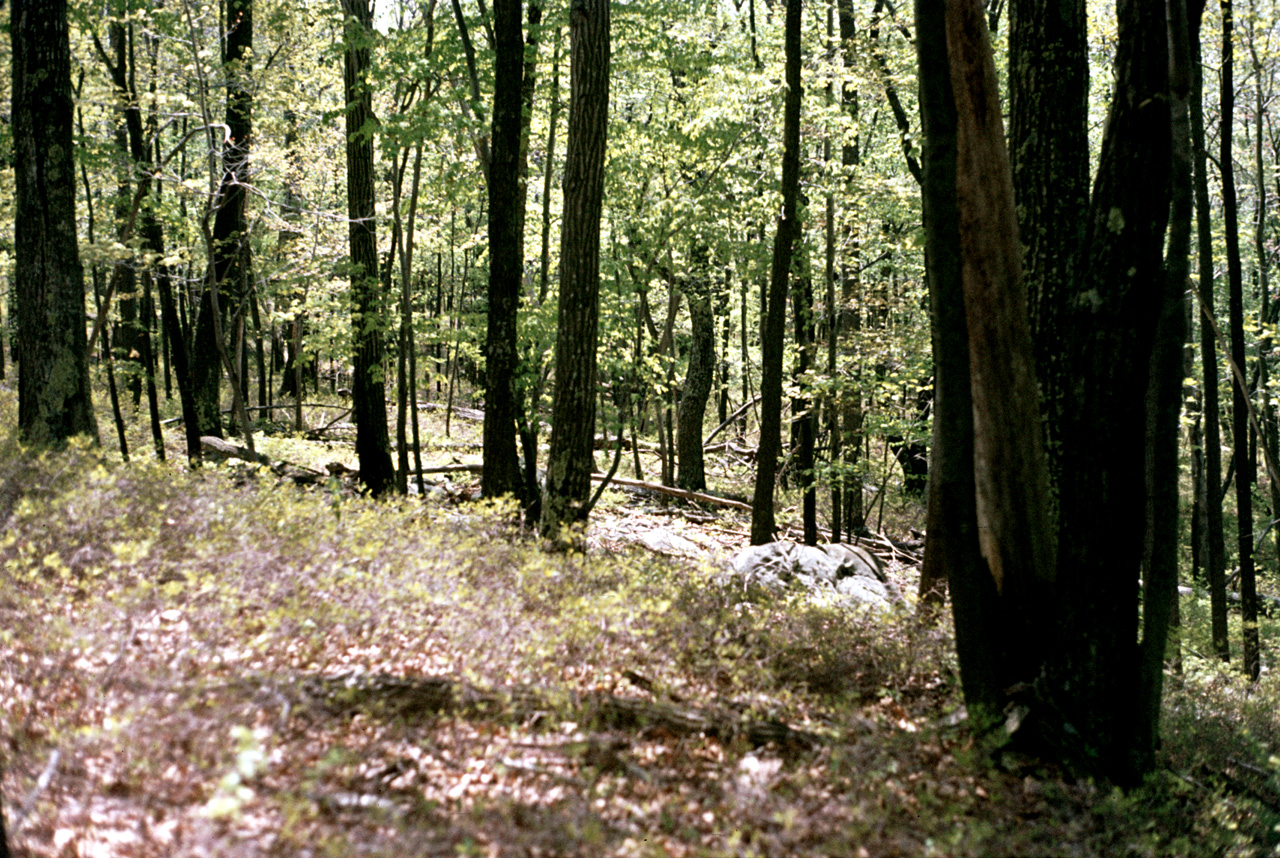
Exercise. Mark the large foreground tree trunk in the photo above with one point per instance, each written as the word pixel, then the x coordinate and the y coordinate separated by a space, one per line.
pixel 1010 469
pixel 1110 325
pixel 952 557
pixel 53 364
pixel 1058 637
pixel 773 334
pixel 368 392
pixel 1049 154
pixel 573 406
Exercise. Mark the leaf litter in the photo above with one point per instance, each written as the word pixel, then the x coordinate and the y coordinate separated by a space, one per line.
pixel 198 665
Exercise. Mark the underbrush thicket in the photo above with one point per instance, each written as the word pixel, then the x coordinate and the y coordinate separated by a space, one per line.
pixel 170 646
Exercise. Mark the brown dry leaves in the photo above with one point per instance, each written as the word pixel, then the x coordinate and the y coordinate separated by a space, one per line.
pixel 182 718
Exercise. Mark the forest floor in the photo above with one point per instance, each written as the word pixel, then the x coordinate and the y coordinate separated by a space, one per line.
pixel 223 663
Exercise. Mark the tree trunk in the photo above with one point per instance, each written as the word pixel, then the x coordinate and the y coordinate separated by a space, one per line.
pixel 1058 639
pixel 1011 476
pixel 1215 558
pixel 1110 323
pixel 127 337
pixel 692 474
pixel 1270 309
pixel 368 392
pixel 851 415
pixel 506 258
pixel 1049 155
pixel 230 242
pixel 802 408
pixel 573 407
pixel 53 364
pixel 952 555
pixel 1164 408
pixel 1245 467
pixel 773 332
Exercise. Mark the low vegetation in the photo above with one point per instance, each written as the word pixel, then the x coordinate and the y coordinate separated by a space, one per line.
pixel 223 663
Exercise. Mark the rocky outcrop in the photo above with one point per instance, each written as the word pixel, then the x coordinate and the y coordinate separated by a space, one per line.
pixel 844 573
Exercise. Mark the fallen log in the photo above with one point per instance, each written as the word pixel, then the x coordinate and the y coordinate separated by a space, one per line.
pixel 678 493
pixel 449 469
pixel 220 450
pixel 473 414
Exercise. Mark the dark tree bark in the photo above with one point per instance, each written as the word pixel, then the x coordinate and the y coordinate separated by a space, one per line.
pixel 851 415
pixel 573 407
pixel 1049 154
pixel 53 365
pixel 1246 469
pixel 368 392
pixel 501 474
pixel 952 556
pixel 133 339
pixel 692 474
pixel 126 340
pixel 1110 327
pixel 803 417
pixel 1059 638
pixel 1215 559
pixel 1010 469
pixel 1164 407
pixel 230 240
pixel 773 332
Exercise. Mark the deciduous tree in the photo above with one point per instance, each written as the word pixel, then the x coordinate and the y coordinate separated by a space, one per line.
pixel 368 390
pixel 773 332
pixel 53 367
pixel 573 407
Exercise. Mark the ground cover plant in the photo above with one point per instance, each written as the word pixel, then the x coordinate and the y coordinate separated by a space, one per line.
pixel 223 663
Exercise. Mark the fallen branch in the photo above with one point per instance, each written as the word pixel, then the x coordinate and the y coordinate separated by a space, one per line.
pixel 473 414
pixel 314 434
pixel 679 493
pixel 732 417
pixel 449 469
pixel 217 448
